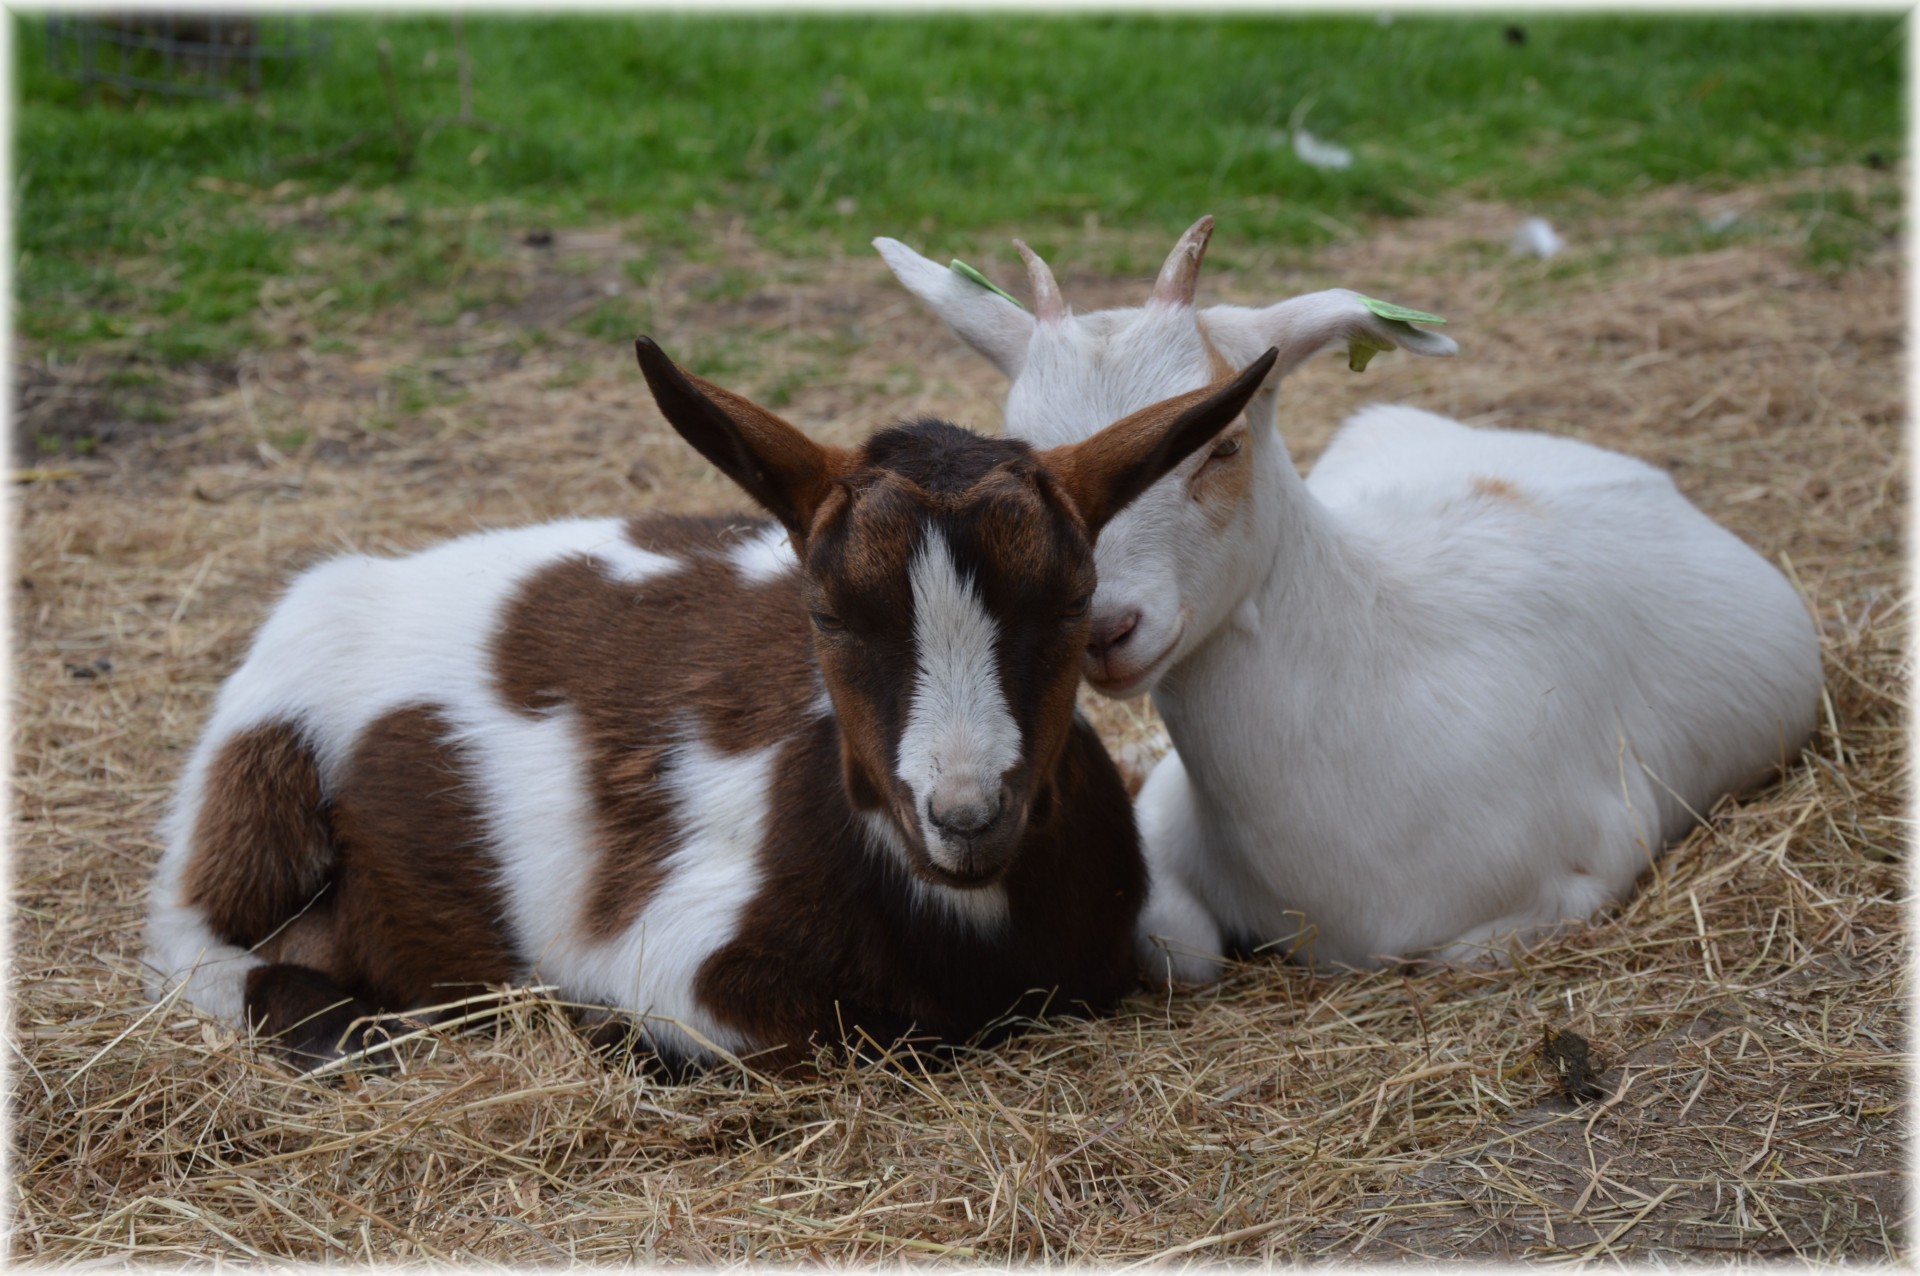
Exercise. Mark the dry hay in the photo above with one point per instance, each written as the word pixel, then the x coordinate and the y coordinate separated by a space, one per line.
pixel 1754 986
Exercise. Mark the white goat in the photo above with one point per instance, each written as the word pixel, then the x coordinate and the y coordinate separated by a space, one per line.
pixel 1457 688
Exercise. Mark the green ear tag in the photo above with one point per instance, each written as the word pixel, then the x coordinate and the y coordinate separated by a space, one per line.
pixel 1360 351
pixel 971 275
pixel 1406 314
pixel 1361 347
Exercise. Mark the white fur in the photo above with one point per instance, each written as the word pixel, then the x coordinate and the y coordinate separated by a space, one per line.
pixel 991 324
pixel 765 556
pixel 959 732
pixel 629 564
pixel 1414 713
pixel 720 804
pixel 183 953
pixel 1178 937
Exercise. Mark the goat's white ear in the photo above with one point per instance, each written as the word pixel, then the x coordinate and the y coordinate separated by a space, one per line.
pixel 982 318
pixel 778 466
pixel 1301 327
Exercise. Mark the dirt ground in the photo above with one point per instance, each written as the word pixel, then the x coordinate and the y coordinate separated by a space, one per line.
pixel 1749 1001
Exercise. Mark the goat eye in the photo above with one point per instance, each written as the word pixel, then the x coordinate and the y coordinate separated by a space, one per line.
pixel 1225 447
pixel 828 624
pixel 1077 608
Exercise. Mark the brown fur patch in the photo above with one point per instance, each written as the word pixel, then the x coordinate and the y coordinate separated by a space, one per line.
pixel 882 522
pixel 1221 483
pixel 694 534
pixel 262 842
pixel 638 831
pixel 417 915
pixel 307 940
pixel 1499 489
pixel 1017 528
pixel 1222 486
pixel 698 651
pixel 1051 729
pixel 1219 367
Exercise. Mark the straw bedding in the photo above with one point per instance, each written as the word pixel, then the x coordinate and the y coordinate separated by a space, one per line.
pixel 1749 1000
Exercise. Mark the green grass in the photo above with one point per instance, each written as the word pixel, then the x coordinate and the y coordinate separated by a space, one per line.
pixel 137 230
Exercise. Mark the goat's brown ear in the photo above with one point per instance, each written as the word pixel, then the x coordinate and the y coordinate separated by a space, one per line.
pixel 778 466
pixel 1105 472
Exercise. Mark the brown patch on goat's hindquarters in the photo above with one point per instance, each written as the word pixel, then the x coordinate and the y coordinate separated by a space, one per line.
pixel 418 917
pixel 262 842
pixel 407 913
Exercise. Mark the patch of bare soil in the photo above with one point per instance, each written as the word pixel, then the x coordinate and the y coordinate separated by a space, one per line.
pixel 1749 1001
pixel 66 409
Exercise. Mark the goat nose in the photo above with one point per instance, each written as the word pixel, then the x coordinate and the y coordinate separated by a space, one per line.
pixel 965 811
pixel 1109 632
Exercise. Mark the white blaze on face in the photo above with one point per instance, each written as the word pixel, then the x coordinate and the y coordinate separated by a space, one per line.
pixel 960 737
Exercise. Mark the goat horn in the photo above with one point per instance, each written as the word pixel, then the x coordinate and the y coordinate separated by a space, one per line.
pixel 1182 271
pixel 1047 305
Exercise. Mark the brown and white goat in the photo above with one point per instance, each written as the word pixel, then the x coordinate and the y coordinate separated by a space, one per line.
pixel 755 784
